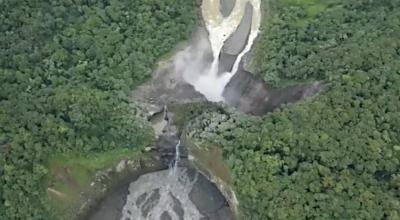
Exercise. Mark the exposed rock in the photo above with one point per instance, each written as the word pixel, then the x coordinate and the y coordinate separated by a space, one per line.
pixel 108 205
pixel 57 193
pixel 159 122
pixel 249 93
pixel 226 63
pixel 166 146
pixel 168 85
pixel 121 166
pixel 210 190
pixel 212 205
pixel 165 216
pixel 148 149
pixel 210 163
pixel 238 40
pixel 226 7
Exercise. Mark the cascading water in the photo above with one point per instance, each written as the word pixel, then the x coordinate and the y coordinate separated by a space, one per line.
pixel 175 163
pixel 168 194
pixel 209 82
pixel 165 194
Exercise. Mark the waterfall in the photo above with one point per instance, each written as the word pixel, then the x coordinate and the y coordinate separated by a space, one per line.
pixel 170 194
pixel 175 164
pixel 211 84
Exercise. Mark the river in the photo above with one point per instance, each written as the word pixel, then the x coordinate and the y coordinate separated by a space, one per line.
pixel 211 69
pixel 224 31
pixel 169 194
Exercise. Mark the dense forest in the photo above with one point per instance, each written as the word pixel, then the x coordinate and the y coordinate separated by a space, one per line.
pixel 65 70
pixel 336 156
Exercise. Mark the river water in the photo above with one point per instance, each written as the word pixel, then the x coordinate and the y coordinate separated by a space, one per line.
pixel 162 195
pixel 210 82
pixel 210 68
pixel 169 194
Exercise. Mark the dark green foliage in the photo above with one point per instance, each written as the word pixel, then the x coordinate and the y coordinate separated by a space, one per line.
pixel 355 35
pixel 184 113
pixel 338 156
pixel 65 69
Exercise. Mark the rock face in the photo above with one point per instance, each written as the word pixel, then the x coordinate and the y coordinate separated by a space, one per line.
pixel 166 146
pixel 226 7
pixel 226 62
pixel 209 161
pixel 111 207
pixel 108 206
pixel 151 191
pixel 167 86
pixel 248 93
pixel 209 200
pixel 238 40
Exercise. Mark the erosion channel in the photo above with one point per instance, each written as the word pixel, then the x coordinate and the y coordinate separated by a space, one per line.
pixel 211 69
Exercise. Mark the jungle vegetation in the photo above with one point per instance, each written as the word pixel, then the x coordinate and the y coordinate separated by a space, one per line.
pixel 66 68
pixel 336 156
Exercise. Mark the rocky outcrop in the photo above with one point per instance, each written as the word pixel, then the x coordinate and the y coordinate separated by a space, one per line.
pixel 238 40
pixel 210 162
pixel 226 7
pixel 249 94
pixel 166 146
pixel 166 86
pixel 149 184
pixel 226 62
pixel 209 200
pixel 110 187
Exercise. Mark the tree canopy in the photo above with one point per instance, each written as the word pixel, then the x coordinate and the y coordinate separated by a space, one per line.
pixel 336 156
pixel 65 70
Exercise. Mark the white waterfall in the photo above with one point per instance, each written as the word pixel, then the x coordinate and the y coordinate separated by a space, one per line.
pixel 166 194
pixel 220 28
pixel 177 159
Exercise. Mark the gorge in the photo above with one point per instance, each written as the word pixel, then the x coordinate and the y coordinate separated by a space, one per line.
pixel 199 109
pixel 212 68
